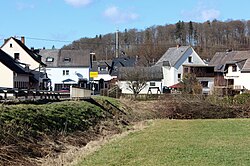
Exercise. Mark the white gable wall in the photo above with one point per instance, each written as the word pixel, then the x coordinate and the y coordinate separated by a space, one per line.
pixel 6 77
pixel 23 55
pixel 170 74
pixel 240 79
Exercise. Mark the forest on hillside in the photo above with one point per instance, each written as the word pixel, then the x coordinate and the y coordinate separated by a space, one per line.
pixel 150 44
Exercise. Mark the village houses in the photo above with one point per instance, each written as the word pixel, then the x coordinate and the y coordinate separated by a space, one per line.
pixel 28 58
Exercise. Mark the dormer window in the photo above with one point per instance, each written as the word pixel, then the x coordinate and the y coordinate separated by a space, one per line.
pixel 66 59
pixel 234 68
pixel 49 59
pixel 10 45
pixel 16 56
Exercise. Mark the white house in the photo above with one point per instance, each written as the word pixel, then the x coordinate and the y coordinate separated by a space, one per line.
pixel 66 67
pixel 172 63
pixel 13 75
pixel 232 68
pixel 151 76
pixel 22 54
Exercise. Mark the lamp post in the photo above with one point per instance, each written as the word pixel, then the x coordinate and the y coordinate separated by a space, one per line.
pixel 91 81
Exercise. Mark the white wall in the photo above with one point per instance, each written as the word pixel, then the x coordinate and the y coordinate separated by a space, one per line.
pixel 6 77
pixel 123 85
pixel 171 75
pixel 210 88
pixel 24 56
pixel 168 75
pixel 56 74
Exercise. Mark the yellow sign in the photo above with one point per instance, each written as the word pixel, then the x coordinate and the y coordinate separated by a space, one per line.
pixel 93 74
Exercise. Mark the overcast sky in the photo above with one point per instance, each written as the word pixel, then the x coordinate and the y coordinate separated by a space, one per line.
pixel 69 20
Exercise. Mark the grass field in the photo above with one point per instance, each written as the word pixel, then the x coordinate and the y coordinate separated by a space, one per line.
pixel 174 142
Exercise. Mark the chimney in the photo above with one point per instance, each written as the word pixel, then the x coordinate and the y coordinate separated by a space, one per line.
pixel 23 39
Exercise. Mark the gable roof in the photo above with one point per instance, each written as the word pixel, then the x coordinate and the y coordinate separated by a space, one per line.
pixel 78 58
pixel 172 55
pixel 153 73
pixel 36 57
pixel 66 58
pixel 49 53
pixel 220 59
pixel 9 62
pixel 125 61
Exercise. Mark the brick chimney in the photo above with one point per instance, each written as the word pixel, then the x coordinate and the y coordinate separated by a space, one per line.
pixel 23 39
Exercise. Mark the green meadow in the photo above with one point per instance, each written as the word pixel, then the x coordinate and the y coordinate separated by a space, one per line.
pixel 179 142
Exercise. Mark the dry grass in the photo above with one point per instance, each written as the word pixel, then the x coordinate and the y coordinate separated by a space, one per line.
pixel 75 154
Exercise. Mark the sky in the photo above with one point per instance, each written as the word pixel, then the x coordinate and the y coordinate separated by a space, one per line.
pixel 47 23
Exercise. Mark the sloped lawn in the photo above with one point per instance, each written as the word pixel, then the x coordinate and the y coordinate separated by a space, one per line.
pixel 180 142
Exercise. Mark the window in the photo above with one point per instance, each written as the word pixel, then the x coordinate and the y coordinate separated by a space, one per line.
pixel 49 59
pixel 190 59
pixel 204 84
pixel 16 56
pixel 152 83
pixel 66 59
pixel 234 68
pixel 185 69
pixel 179 76
pixel 65 72
pixel 102 68
pixel 10 45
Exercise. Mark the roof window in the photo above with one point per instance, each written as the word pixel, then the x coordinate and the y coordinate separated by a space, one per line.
pixel 49 59
pixel 66 59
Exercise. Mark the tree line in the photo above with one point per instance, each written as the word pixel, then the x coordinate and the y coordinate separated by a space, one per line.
pixel 150 44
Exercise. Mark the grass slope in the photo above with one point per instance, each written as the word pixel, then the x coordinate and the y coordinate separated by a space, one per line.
pixel 174 142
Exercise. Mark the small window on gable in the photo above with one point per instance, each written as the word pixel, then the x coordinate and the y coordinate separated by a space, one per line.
pixel 10 45
pixel 66 59
pixel 179 76
pixel 16 56
pixel 190 59
pixel 49 59
pixel 234 68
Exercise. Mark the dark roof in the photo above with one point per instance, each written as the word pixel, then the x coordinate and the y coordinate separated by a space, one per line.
pixel 125 61
pixel 153 73
pixel 66 58
pixel 77 58
pixel 50 53
pixel 102 64
pixel 221 59
pixel 9 62
pixel 36 57
pixel 172 56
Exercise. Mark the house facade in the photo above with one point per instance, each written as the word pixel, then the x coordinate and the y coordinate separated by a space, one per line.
pixel 232 70
pixel 151 76
pixel 25 56
pixel 172 63
pixel 204 74
pixel 66 67
pixel 13 74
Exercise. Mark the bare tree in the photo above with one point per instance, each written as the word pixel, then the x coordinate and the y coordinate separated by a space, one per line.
pixel 136 80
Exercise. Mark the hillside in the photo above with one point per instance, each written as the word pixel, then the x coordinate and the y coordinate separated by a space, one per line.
pixel 148 45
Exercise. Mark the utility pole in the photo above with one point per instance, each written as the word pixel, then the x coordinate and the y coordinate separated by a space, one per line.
pixel 117 43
